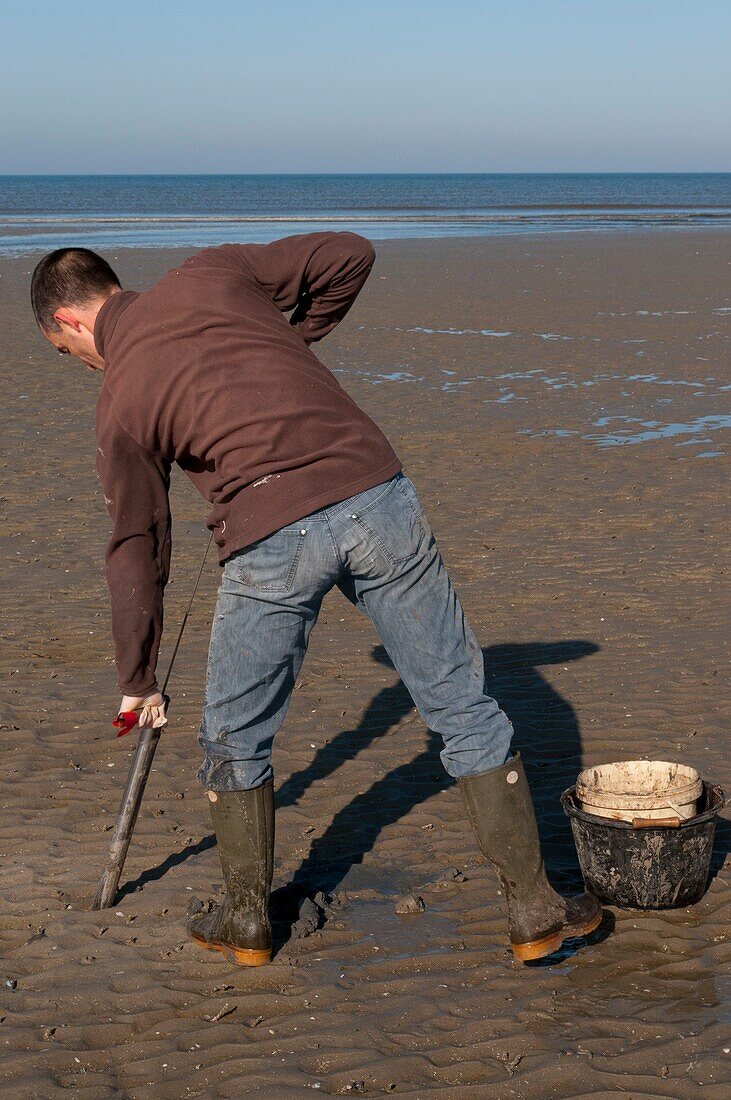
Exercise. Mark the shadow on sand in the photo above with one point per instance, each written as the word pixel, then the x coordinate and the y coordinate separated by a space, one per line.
pixel 546 733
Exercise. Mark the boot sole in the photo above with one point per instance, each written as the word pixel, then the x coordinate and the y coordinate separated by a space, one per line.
pixel 538 949
pixel 242 956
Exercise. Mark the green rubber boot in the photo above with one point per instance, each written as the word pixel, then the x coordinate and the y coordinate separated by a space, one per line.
pixel 243 822
pixel 500 808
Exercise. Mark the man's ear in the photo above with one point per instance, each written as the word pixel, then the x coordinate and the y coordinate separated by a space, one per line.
pixel 64 316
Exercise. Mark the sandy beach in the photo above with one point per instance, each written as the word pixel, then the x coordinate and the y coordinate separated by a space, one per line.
pixel 561 404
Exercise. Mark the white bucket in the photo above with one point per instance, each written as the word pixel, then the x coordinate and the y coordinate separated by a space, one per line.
pixel 640 789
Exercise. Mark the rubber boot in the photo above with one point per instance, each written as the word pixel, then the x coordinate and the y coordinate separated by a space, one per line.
pixel 243 822
pixel 500 808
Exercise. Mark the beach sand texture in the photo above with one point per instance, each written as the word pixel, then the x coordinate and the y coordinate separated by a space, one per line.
pixel 594 572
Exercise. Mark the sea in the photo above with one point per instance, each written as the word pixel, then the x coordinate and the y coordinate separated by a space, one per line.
pixel 38 213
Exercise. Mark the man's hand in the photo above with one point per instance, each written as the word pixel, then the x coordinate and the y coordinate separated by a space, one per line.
pixel 151 709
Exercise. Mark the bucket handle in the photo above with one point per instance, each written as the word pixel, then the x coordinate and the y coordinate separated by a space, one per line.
pixel 656 822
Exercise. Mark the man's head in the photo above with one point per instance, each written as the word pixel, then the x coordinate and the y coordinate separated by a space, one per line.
pixel 68 289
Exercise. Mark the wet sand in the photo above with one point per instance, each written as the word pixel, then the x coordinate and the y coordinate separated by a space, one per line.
pixel 592 565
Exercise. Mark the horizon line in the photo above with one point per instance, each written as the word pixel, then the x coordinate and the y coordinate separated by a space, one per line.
pixel 614 172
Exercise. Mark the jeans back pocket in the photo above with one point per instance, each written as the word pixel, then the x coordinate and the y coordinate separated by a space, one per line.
pixel 394 524
pixel 270 564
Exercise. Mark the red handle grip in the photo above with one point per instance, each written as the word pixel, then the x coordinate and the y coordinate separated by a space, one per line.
pixel 125 721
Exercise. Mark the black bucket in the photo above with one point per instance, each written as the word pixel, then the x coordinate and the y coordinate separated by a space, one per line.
pixel 661 867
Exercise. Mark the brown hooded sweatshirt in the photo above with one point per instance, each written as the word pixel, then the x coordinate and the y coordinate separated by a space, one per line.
pixel 204 370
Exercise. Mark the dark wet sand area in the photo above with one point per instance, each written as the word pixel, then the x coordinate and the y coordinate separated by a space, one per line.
pixel 562 405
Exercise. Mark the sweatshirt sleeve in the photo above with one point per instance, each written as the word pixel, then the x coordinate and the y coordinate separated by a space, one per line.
pixel 137 559
pixel 318 275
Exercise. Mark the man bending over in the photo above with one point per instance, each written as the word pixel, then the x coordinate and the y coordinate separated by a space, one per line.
pixel 204 370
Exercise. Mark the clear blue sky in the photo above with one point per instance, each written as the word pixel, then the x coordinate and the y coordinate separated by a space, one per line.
pixel 367 86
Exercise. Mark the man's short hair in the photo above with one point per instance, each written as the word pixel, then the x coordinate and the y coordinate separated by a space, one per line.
pixel 68 277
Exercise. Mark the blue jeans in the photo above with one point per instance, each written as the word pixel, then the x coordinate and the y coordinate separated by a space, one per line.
pixel 380 551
